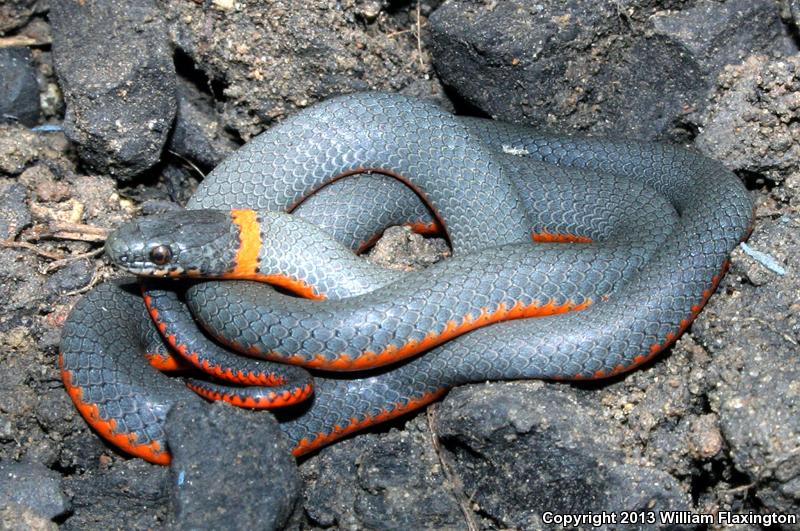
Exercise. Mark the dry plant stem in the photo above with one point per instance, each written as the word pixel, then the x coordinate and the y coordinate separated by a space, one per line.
pixel 76 231
pixel 419 36
pixel 21 40
pixel 64 261
pixel 188 163
pixel 31 247
pixel 92 283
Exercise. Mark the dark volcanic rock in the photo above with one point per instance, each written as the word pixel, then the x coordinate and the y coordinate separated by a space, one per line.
pixel 526 449
pixel 19 90
pixel 33 486
pixel 231 469
pixel 114 65
pixel 582 63
pixel 388 481
pixel 721 33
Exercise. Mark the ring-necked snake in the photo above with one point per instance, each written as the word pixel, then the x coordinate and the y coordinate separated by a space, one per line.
pixel 651 227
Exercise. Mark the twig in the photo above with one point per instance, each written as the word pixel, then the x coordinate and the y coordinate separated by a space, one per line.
pixel 21 40
pixel 92 283
pixel 407 30
pixel 189 162
pixel 398 32
pixel 418 31
pixel 52 266
pixel 456 486
pixel 31 247
pixel 740 488
pixel 77 231
pixel 419 36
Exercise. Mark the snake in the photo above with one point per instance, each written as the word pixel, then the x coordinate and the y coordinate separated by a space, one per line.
pixel 573 257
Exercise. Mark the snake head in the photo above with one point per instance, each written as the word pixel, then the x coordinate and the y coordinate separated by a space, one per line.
pixel 185 243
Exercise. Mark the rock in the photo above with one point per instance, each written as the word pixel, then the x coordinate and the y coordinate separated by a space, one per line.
pixel 121 493
pixel 32 486
pixel 19 90
pixel 14 517
pixel 15 13
pixel 400 248
pixel 534 55
pixel 230 468
pixel 718 34
pixel 580 65
pixel 369 10
pixel 120 99
pixel 756 364
pixel 45 185
pixel 753 121
pixel 198 134
pixel 705 439
pixel 18 147
pixel 14 212
pixel 265 63
pixel 793 11
pixel 392 480
pixel 522 450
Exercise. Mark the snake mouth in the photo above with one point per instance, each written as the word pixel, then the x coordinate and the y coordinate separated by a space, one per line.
pixel 126 262
pixel 142 268
pixel 130 258
pixel 147 269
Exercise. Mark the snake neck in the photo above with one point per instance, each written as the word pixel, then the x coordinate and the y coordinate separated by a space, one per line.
pixel 288 252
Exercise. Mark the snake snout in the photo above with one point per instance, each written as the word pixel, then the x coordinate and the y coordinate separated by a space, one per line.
pixel 119 250
pixel 116 249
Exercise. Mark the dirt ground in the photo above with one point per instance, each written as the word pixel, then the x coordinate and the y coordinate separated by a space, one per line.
pixel 712 425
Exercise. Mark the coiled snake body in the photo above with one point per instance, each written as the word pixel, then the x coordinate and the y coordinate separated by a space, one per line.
pixel 651 224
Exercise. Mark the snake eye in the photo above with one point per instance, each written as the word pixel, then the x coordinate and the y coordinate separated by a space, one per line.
pixel 160 254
